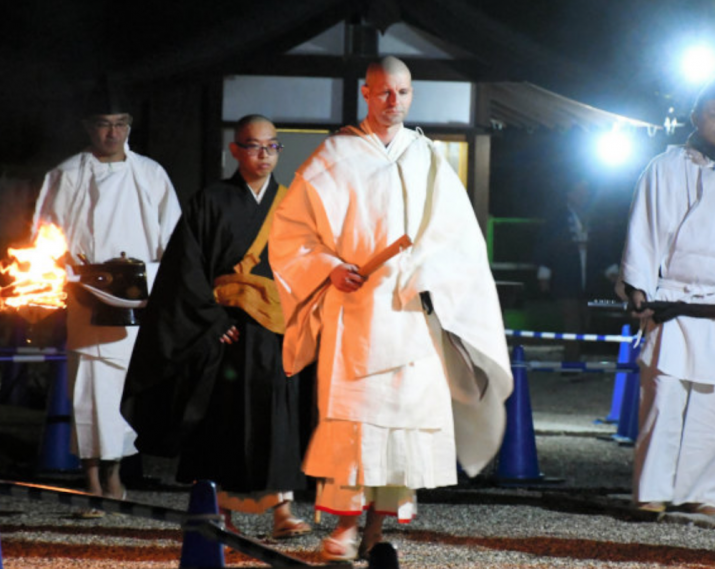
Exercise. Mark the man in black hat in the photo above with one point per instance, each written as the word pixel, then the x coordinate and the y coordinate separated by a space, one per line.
pixel 110 203
pixel 105 107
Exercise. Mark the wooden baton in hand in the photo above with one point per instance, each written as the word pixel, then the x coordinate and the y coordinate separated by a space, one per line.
pixel 385 255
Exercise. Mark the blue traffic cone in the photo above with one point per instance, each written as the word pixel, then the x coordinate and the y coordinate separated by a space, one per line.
pixel 383 556
pixel 518 462
pixel 197 551
pixel 55 447
pixel 628 421
pixel 625 355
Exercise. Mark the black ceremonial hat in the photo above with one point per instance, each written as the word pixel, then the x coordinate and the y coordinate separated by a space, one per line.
pixel 105 98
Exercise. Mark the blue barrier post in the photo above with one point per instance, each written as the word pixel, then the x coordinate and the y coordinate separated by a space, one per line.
pixel 625 355
pixel 55 447
pixel 518 461
pixel 628 420
pixel 197 551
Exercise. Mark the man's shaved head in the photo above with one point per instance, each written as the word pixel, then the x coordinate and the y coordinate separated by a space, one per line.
pixel 389 65
pixel 243 122
pixel 388 94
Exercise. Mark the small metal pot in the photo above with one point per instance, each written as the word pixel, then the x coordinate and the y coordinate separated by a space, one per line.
pixel 123 277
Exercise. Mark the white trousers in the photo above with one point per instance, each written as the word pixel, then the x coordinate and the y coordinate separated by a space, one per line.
pixel 398 501
pixel 96 386
pixel 675 451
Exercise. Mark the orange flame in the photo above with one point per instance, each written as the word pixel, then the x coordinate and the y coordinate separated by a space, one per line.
pixel 38 279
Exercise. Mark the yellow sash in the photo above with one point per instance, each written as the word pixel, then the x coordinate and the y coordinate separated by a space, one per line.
pixel 255 295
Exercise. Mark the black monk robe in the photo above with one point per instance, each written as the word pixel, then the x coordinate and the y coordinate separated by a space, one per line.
pixel 228 411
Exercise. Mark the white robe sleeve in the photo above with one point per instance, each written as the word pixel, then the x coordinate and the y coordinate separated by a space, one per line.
pixel 660 203
pixel 301 262
pixel 644 242
pixel 169 212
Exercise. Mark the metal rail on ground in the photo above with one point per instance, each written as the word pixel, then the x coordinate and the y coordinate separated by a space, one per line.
pixel 205 526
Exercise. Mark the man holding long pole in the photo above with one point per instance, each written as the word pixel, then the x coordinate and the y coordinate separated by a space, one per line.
pixel 668 275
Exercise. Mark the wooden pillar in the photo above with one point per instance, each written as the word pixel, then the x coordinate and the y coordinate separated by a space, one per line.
pixel 478 182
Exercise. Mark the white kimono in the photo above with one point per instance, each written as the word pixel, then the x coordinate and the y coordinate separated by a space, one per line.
pixel 105 209
pixel 382 363
pixel 670 255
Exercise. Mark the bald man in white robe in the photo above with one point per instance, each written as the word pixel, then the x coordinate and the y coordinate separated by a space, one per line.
pixel 413 368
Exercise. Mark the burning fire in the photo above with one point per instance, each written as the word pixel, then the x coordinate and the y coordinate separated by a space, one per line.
pixel 38 279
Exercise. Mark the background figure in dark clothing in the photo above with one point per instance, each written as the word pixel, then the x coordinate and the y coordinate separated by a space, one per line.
pixel 213 329
pixel 561 256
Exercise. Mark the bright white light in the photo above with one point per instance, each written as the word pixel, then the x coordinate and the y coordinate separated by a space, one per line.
pixel 614 148
pixel 699 64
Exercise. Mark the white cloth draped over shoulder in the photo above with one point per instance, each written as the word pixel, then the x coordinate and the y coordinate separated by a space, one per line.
pixel 670 255
pixel 349 201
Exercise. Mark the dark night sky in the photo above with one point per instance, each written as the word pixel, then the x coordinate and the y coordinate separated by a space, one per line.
pixel 633 48
pixel 630 48
pixel 634 44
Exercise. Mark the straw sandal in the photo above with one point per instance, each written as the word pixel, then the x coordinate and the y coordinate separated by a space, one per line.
pixel 705 509
pixel 335 549
pixel 291 527
pixel 89 514
pixel 94 513
pixel 656 507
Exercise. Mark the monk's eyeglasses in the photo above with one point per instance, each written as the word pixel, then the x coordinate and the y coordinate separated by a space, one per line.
pixel 106 125
pixel 255 149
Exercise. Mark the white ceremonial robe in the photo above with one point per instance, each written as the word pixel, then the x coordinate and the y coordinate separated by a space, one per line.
pixel 105 209
pixel 380 367
pixel 670 255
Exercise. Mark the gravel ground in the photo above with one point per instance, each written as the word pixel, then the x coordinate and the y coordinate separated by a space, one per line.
pixel 582 521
